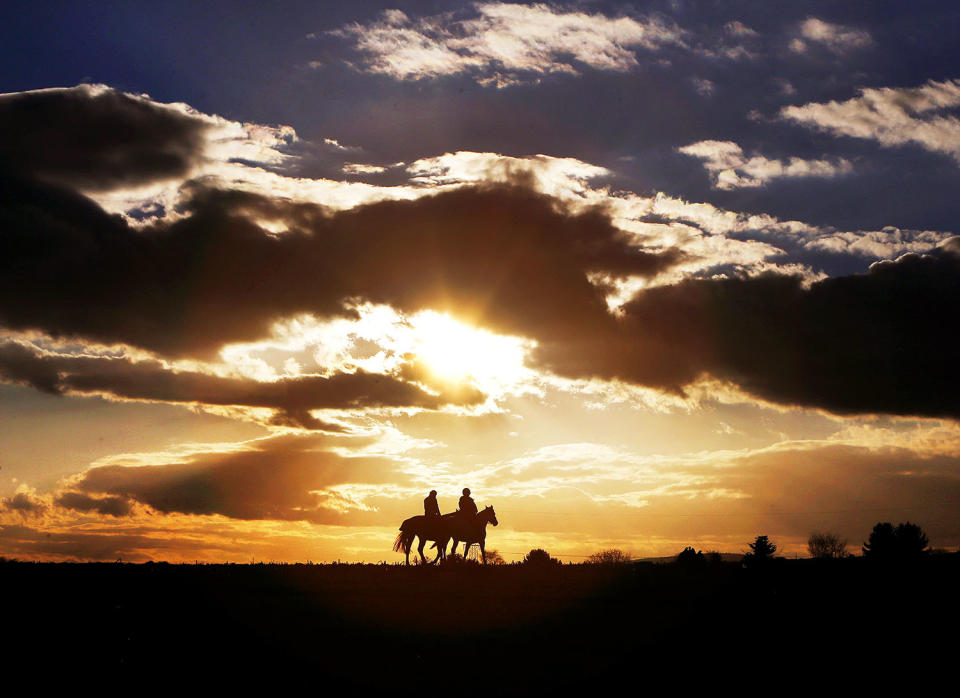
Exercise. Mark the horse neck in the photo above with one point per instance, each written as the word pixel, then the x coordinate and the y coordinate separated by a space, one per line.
pixel 478 521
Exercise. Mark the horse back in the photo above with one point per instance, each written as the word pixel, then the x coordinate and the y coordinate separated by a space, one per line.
pixel 412 523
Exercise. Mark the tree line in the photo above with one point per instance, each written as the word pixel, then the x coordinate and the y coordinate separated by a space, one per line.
pixel 887 543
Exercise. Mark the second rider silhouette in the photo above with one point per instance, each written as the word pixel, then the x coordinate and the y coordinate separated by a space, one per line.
pixel 467 506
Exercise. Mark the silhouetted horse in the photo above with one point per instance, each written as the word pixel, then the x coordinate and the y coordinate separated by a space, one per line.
pixel 471 530
pixel 425 528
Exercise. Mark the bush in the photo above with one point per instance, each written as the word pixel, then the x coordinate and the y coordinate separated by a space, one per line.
pixel 609 557
pixel 538 557
pixel 826 546
pixel 493 557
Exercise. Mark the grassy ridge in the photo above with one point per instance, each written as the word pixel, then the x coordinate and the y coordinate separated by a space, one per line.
pixel 526 631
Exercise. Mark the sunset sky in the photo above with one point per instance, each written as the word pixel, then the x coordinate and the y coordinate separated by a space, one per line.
pixel 641 275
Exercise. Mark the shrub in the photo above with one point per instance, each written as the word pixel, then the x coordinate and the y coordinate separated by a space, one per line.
pixel 611 556
pixel 826 546
pixel 538 557
pixel 495 558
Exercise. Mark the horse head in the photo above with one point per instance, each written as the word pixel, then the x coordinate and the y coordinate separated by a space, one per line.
pixel 490 516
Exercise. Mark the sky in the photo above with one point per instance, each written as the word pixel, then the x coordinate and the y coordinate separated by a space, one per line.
pixel 640 275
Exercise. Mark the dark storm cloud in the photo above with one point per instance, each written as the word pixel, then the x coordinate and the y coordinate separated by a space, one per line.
pixel 108 506
pixel 877 342
pixel 96 138
pixel 502 256
pixel 283 479
pixel 515 259
pixel 150 380
pixel 24 503
pixel 507 258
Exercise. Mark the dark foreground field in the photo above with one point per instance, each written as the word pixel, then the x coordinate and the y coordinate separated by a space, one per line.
pixel 378 630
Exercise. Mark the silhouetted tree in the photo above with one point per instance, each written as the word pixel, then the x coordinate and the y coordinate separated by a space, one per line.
pixel 826 545
pixel 538 557
pixel 689 557
pixel 609 557
pixel 495 558
pixel 882 543
pixel 905 542
pixel 761 550
pixel 912 542
pixel 763 547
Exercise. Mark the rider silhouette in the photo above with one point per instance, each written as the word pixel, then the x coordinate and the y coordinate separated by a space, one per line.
pixel 467 506
pixel 430 506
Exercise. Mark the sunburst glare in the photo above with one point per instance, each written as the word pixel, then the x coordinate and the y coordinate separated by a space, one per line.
pixel 454 351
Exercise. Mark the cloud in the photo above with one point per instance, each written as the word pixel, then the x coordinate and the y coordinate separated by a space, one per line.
pixel 891 116
pixel 855 344
pixel 888 243
pixel 834 37
pixel 704 87
pixel 731 169
pixel 107 506
pixel 504 43
pixel 517 259
pixel 132 155
pixel 737 28
pixel 492 250
pixel 356 168
pixel 566 178
pixel 292 398
pixel 25 502
pixel 281 478
pixel 92 137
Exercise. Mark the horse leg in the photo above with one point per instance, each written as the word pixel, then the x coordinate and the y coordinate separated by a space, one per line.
pixel 423 542
pixel 441 547
pixel 483 552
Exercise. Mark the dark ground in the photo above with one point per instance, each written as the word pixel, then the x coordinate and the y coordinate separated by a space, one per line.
pixel 374 630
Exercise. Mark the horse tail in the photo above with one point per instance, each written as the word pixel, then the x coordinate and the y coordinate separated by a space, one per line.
pixel 398 544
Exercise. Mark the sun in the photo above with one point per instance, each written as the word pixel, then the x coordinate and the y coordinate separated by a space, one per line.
pixel 454 351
